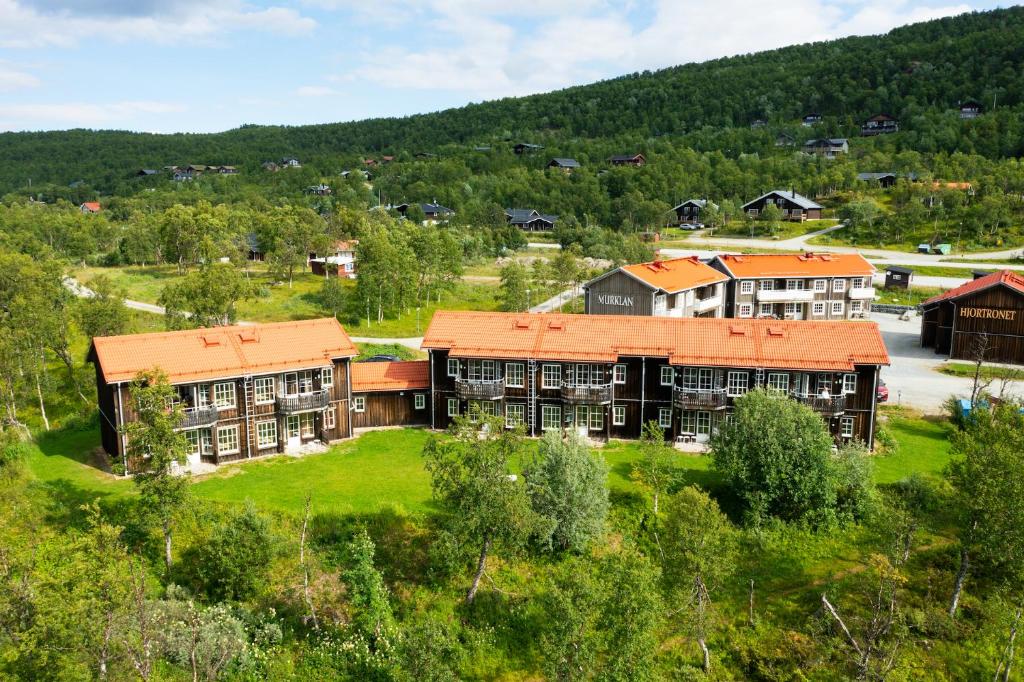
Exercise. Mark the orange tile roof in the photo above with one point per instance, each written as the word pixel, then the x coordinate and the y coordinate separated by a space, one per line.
pixel 675 274
pixel 93 206
pixel 797 265
pixel 1010 278
pixel 222 352
pixel 717 342
pixel 390 376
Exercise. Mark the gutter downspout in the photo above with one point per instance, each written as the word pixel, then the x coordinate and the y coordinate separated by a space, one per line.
pixel 117 425
pixel 952 333
pixel 430 354
pixel 348 401
pixel 874 408
pixel 643 390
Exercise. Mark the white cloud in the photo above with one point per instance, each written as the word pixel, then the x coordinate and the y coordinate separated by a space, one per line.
pixel 11 78
pixel 75 114
pixel 26 26
pixel 315 91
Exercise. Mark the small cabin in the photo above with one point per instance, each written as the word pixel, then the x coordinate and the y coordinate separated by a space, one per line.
pixel 566 164
pixel 970 109
pixel 882 124
pixel 883 180
pixel 897 277
pixel 628 160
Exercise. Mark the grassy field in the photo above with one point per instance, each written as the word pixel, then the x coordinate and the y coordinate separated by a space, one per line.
pixel 367 350
pixel 1019 262
pixel 466 296
pixel 384 469
pixel 912 296
pixel 966 369
pixel 925 235
pixel 787 229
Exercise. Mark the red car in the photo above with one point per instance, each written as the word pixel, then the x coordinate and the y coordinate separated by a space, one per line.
pixel 882 393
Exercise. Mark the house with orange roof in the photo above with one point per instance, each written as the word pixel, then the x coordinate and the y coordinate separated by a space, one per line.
pixel 340 261
pixel 680 287
pixel 90 207
pixel 983 318
pixel 390 394
pixel 244 391
pixel 797 286
pixel 608 375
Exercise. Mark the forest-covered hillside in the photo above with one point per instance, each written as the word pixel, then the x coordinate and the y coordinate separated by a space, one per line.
pixel 918 73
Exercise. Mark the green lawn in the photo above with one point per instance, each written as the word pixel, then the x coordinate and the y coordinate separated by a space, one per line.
pixel 966 369
pixel 912 296
pixel 1019 262
pixel 367 350
pixel 787 229
pixel 465 296
pixel 924 447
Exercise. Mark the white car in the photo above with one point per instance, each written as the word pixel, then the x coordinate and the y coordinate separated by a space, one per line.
pixel 692 226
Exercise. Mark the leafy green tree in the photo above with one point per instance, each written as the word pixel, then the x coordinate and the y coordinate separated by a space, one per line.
pixel 567 483
pixel 655 468
pixel 205 298
pixel 296 233
pixel 776 456
pixel 334 296
pixel 571 600
pixel 987 475
pixel 514 284
pixel 699 546
pixel 372 617
pixel 771 216
pixel 860 216
pixel 233 563
pixel 631 614
pixel 488 509
pixel 205 640
pixel 103 313
pixel 153 446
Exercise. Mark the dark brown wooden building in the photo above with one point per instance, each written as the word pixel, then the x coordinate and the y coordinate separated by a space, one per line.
pixel 608 375
pixel 628 160
pixel 390 394
pixel 680 287
pixel 244 391
pixel 986 313
pixel 897 277
pixel 793 206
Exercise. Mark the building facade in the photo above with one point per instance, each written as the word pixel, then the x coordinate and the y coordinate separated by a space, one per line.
pixel 390 394
pixel 243 391
pixel 984 317
pixel 607 376
pixel 792 205
pixel 797 286
pixel 688 212
pixel 681 287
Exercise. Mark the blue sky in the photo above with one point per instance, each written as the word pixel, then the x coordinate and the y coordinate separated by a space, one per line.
pixel 208 65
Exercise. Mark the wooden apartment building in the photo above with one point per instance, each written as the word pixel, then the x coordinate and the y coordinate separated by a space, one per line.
pixel 680 287
pixel 608 375
pixel 245 391
pixel 792 205
pixel 797 286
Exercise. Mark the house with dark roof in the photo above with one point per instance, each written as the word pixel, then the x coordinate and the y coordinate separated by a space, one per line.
pixel 971 109
pixel 829 148
pixel 810 119
pixel 290 162
pixel 527 148
pixel 793 206
pixel 758 123
pixel 784 139
pixel 320 190
pixel 435 213
pixel 680 287
pixel 688 212
pixel 529 219
pixel 982 317
pixel 146 172
pixel 883 180
pixel 566 164
pixel 881 124
pixel 627 160
pixel 254 248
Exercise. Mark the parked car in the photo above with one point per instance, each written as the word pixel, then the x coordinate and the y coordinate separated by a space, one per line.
pixel 382 358
pixel 882 394
pixel 692 226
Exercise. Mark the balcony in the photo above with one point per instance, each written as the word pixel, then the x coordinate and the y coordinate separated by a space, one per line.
pixel 303 402
pixel 480 389
pixel 197 417
pixel 587 393
pixel 785 295
pixel 862 293
pixel 694 399
pixel 831 406
pixel 706 304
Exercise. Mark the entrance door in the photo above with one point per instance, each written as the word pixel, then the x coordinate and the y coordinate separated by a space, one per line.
pixel 582 419
pixel 294 434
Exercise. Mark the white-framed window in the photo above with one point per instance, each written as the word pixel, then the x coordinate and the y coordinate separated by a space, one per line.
pixel 821 285
pixel 668 375
pixel 515 414
pixel 596 418
pixel 327 377
pixel 227 439
pixel 778 382
pixel 551 376
pixel 550 417
pixel 766 309
pixel 730 418
pixel 690 378
pixel 849 383
pixel 359 403
pixel 482 370
pixel 453 407
pixel 688 423
pixel 224 395
pixel 839 285
pixel 703 423
pixel 818 308
pixel 296 383
pixel 515 374
pixel 619 374
pixel 419 401
pixel 846 427
pixel 453 367
pixel 706 379
pixel 266 434
pixel 747 286
pixel 330 421
pixel 766 285
pixel 483 407
pixel 837 307
pixel 857 283
pixel 665 417
pixel 856 306
pixel 306 424
pixel 203 395
pixel 746 310
pixel 193 441
pixel 795 285
pixel 618 415
pixel 796 309
pixel 291 426
pixel 263 390
pixel 737 383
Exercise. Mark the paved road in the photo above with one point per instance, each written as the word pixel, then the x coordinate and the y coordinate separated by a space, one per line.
pixel 912 377
pixel 83 291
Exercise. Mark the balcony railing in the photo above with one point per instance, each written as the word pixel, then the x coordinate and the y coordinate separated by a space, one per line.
pixel 480 389
pixel 706 304
pixel 587 393
pixel 832 405
pixel 694 399
pixel 303 402
pixel 862 293
pixel 784 295
pixel 198 417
